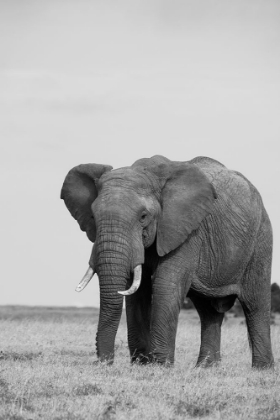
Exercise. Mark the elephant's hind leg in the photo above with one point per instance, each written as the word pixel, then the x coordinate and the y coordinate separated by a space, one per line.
pixel 255 299
pixel 258 324
pixel 211 322
pixel 138 313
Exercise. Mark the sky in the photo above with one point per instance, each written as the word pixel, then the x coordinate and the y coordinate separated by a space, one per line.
pixel 112 81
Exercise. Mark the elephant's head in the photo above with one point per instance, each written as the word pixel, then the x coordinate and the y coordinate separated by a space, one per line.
pixel 126 210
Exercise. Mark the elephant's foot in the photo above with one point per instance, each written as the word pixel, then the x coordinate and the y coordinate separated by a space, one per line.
pixel 105 362
pixel 144 359
pixel 141 359
pixel 105 358
pixel 263 364
pixel 208 360
pixel 166 363
pixel 160 359
pixel 206 363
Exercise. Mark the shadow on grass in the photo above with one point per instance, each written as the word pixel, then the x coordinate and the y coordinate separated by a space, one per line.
pixel 111 407
pixel 22 357
pixel 183 408
pixel 70 416
pixel 9 398
pixel 6 396
pixel 87 389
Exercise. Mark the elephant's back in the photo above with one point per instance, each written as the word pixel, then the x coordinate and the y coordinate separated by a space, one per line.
pixel 207 163
pixel 227 182
pixel 239 207
pixel 211 168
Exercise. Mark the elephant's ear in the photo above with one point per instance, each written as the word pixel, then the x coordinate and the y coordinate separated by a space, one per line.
pixel 79 191
pixel 187 197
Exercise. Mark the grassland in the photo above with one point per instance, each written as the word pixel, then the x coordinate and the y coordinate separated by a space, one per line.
pixel 47 371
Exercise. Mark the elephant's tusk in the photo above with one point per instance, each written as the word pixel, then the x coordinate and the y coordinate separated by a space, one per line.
pixel 136 282
pixel 85 280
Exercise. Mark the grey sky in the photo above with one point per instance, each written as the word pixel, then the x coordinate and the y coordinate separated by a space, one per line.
pixel 113 81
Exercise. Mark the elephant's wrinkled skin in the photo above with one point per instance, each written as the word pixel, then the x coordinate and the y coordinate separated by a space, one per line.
pixel 197 229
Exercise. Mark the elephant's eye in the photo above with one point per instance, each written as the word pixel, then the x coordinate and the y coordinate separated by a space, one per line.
pixel 143 217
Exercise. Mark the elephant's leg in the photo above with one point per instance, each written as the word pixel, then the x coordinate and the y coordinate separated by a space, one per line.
pixel 211 322
pixel 257 315
pixel 165 313
pixel 169 289
pixel 255 298
pixel 138 313
pixel 258 324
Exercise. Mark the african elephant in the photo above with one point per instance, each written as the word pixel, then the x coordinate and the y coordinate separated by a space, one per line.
pixel 167 229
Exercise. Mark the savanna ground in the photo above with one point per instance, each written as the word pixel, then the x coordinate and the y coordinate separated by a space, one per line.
pixel 47 372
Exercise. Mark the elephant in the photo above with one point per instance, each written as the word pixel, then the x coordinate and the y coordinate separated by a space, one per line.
pixel 163 230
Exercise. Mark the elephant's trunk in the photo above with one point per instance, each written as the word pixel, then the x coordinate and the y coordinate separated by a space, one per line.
pixel 113 264
pixel 111 304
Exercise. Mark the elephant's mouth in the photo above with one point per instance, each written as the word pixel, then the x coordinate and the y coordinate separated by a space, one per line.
pixel 145 237
pixel 137 275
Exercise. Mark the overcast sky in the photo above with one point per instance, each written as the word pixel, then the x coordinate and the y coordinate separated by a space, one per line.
pixel 113 81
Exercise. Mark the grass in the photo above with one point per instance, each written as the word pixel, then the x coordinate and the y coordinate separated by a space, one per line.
pixel 47 371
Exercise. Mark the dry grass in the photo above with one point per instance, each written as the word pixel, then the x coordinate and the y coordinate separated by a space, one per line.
pixel 47 371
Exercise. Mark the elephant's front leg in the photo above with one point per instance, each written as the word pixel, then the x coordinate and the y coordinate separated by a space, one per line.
pixel 138 313
pixel 169 287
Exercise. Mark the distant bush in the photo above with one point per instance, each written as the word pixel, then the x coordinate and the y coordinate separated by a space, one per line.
pixel 275 297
